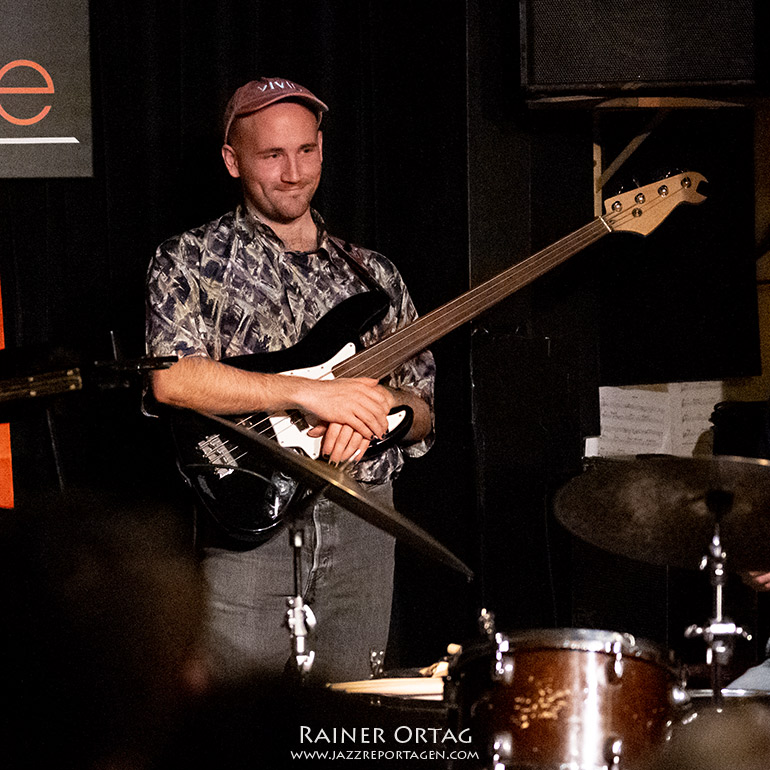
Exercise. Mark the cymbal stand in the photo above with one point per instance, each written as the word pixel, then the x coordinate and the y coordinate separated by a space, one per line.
pixel 720 632
pixel 300 618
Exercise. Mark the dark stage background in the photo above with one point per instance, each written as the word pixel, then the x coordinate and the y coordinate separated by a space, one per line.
pixel 436 157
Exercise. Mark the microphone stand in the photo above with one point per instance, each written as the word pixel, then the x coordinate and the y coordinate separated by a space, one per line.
pixel 299 616
pixel 300 619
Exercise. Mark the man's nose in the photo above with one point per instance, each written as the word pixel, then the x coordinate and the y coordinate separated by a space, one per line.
pixel 290 171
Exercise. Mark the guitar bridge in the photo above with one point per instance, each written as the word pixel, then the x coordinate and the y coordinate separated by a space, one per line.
pixel 217 452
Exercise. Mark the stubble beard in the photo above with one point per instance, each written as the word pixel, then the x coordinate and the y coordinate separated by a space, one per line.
pixel 287 206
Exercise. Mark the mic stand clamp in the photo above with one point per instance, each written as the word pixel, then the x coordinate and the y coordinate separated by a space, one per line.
pixel 301 621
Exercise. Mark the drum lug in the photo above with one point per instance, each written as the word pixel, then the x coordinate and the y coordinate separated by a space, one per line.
pixel 504 669
pixel 679 697
pixel 502 750
pixel 504 664
pixel 615 668
pixel 613 750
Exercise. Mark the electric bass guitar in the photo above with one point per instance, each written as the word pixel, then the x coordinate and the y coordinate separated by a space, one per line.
pixel 234 481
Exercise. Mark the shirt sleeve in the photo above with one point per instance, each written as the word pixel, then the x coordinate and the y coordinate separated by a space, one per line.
pixel 418 374
pixel 174 324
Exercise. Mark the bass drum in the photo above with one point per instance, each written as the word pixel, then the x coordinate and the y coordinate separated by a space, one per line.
pixel 564 698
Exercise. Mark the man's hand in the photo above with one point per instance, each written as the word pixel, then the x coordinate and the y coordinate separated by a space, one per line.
pixel 353 411
pixel 360 403
pixel 340 442
pixel 756 579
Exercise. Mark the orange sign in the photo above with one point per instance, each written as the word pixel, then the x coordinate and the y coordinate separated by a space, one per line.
pixel 46 89
pixel 6 466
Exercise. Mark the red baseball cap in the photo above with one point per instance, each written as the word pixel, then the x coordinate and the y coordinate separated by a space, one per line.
pixel 258 94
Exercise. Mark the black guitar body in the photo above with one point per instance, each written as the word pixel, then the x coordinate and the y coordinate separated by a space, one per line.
pixel 344 323
pixel 234 480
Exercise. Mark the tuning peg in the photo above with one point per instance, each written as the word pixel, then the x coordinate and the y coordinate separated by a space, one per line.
pixel 487 623
pixel 630 183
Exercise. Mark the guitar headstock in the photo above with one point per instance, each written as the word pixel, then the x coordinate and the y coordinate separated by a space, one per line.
pixel 642 210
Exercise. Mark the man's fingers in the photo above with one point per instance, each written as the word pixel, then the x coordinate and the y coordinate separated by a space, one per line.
pixel 318 430
pixel 372 424
pixel 340 451
pixel 356 449
pixel 330 439
pixel 756 579
pixel 342 443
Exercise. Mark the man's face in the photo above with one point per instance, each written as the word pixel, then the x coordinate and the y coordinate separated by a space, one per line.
pixel 277 155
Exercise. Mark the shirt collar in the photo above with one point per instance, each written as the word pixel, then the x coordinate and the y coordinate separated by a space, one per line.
pixel 250 227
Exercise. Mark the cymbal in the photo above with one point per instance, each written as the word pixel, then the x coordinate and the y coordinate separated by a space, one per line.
pixel 662 509
pixel 337 486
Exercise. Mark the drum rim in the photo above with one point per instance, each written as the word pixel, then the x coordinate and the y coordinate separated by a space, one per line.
pixel 590 639
pixel 579 640
pixel 728 692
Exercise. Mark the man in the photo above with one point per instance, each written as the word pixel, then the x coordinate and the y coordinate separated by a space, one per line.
pixel 257 280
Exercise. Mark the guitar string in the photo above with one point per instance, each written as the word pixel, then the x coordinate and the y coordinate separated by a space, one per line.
pixel 491 292
pixel 482 298
pixel 497 289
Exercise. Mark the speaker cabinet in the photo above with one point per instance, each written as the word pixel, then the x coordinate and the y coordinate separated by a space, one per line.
pixel 597 46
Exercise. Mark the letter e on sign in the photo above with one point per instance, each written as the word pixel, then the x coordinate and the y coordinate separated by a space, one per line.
pixel 47 89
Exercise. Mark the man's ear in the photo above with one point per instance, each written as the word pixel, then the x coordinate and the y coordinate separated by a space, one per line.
pixel 230 158
pixel 321 143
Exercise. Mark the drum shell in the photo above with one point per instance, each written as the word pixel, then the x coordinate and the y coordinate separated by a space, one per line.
pixel 570 698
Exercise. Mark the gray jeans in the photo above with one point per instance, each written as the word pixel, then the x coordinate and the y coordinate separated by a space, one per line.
pixel 347 579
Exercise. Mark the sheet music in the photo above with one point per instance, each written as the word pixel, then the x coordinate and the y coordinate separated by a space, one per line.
pixel 654 419
pixel 692 404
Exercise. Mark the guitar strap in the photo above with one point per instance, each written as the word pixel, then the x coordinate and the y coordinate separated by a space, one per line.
pixel 350 254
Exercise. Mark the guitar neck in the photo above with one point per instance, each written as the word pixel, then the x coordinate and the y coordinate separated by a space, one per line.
pixel 382 358
pixel 40 385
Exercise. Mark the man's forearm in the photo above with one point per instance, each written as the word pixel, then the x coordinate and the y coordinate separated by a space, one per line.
pixel 205 385
pixel 200 383
pixel 422 422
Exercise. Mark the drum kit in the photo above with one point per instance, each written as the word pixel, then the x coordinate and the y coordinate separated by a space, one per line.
pixel 579 698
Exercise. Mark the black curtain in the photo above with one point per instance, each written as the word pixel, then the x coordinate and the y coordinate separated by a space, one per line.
pixel 74 251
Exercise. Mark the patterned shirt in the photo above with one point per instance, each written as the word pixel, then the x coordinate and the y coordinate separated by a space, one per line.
pixel 228 289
